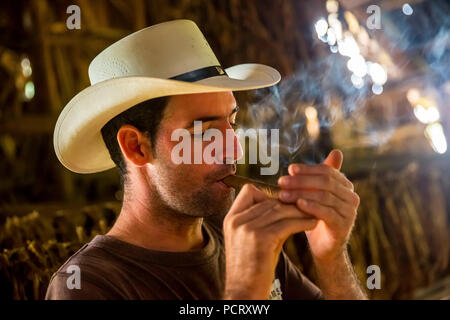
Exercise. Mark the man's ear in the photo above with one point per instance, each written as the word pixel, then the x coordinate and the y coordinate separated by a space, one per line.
pixel 135 145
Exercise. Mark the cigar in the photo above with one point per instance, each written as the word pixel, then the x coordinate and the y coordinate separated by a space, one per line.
pixel 235 181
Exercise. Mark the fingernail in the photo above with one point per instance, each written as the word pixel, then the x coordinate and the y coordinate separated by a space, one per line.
pixel 302 202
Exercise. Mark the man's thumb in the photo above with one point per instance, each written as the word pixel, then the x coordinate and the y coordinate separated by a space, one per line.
pixel 335 159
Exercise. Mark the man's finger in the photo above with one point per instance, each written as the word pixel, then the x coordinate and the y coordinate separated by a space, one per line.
pixel 319 169
pixel 254 212
pixel 327 214
pixel 277 213
pixel 323 197
pixel 335 159
pixel 287 227
pixel 248 196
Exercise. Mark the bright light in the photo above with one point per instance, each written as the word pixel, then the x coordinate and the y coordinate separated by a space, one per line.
pixel 26 67
pixel 336 25
pixel 407 9
pixel 310 113
pixel 25 63
pixel 357 64
pixel 413 96
pixel 435 134
pixel 377 89
pixel 358 82
pixel 312 123
pixel 377 73
pixel 426 115
pixel 352 22
pixel 321 27
pixel 348 47
pixel 29 90
pixel 332 6
pixel 363 37
pixel 331 37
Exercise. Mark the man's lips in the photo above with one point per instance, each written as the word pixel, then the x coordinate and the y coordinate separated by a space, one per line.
pixel 223 184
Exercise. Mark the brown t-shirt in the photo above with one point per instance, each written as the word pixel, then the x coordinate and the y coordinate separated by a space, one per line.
pixel 108 268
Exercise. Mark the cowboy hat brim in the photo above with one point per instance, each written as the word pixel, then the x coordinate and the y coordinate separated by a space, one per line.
pixel 77 137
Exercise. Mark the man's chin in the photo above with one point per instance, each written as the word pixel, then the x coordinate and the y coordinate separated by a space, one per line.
pixel 219 198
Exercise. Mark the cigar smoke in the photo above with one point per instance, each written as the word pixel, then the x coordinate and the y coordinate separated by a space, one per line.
pixel 235 181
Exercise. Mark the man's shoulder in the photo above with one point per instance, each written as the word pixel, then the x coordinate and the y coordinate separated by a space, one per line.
pixel 90 267
pixel 76 258
pixel 89 256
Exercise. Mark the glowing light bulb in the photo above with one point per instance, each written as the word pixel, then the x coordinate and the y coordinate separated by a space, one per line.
pixel 312 124
pixel 413 96
pixel 407 9
pixel 321 27
pixel 26 67
pixel 310 113
pixel 352 22
pixel 358 82
pixel 25 63
pixel 377 89
pixel 332 6
pixel 348 46
pixel 435 135
pixel 331 37
pixel 29 90
pixel 426 115
pixel 335 24
pixel 377 73
pixel 357 64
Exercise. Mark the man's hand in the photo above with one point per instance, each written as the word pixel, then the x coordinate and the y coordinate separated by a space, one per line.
pixel 325 193
pixel 255 230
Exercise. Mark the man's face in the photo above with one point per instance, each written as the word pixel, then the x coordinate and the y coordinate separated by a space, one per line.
pixel 193 189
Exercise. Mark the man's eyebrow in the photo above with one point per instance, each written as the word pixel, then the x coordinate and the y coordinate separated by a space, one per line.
pixel 213 118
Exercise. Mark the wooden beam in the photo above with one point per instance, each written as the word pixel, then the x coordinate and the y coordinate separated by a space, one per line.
pixel 41 9
pixel 140 14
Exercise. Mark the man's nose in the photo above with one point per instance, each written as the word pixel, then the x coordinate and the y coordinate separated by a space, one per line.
pixel 232 149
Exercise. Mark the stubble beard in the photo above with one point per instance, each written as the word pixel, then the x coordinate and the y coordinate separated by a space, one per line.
pixel 178 199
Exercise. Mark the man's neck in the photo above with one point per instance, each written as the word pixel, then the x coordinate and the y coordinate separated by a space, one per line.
pixel 156 229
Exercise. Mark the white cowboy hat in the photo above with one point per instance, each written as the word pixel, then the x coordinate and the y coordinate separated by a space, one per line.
pixel 166 59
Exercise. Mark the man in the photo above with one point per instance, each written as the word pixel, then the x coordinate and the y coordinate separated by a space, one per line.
pixel 169 241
